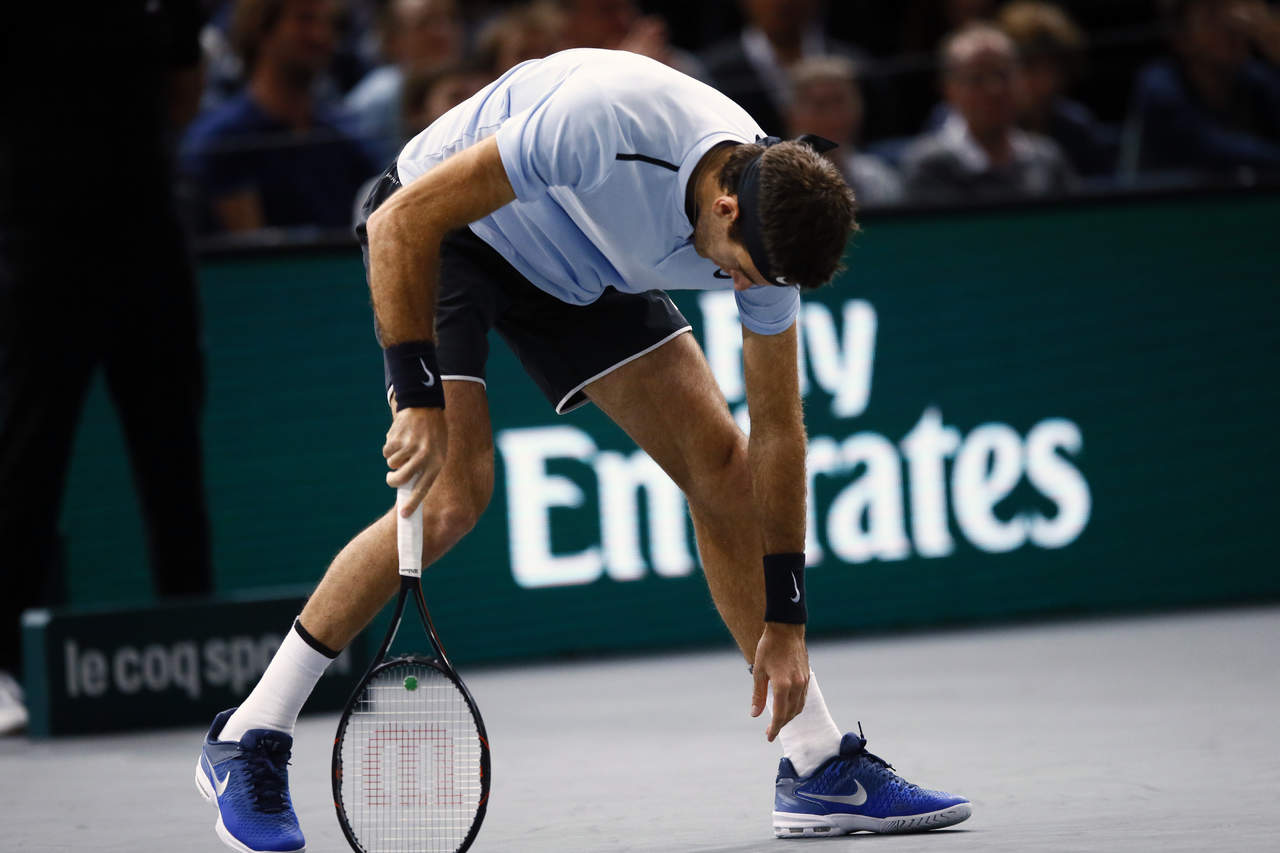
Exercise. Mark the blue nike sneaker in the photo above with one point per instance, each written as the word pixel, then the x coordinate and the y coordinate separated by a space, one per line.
pixel 249 783
pixel 855 790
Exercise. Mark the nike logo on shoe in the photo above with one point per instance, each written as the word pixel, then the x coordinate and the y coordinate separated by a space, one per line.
pixel 857 798
pixel 220 785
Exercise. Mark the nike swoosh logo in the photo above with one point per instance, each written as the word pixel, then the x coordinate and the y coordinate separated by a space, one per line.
pixel 431 377
pixel 721 274
pixel 220 785
pixel 857 798
pixel 795 599
pixel 782 279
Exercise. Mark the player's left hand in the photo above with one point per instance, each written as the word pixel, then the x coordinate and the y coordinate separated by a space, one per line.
pixel 783 660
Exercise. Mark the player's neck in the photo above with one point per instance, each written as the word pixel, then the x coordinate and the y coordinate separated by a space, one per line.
pixel 704 184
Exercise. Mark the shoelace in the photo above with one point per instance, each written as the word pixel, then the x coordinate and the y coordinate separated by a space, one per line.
pixel 267 764
pixel 880 761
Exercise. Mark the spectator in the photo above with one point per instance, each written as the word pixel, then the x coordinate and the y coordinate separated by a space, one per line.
pixel 923 24
pixel 417 36
pixel 618 25
pixel 225 74
pixel 95 275
pixel 528 31
pixel 429 95
pixel 1213 107
pixel 1049 46
pixel 979 152
pixel 752 67
pixel 826 100
pixel 272 156
pixel 223 70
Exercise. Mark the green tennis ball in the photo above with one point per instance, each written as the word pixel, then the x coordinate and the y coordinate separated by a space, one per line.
pixel 410 682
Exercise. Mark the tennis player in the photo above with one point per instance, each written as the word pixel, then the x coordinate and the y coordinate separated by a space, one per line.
pixel 555 206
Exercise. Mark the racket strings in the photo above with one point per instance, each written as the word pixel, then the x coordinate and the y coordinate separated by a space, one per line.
pixel 411 754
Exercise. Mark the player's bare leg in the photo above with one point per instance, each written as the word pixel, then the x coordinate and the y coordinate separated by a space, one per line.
pixel 363 577
pixel 252 795
pixel 669 403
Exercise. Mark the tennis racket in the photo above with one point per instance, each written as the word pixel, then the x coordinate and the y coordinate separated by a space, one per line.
pixel 411 757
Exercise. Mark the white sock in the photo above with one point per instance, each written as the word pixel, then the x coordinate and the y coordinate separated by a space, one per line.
pixel 811 737
pixel 283 689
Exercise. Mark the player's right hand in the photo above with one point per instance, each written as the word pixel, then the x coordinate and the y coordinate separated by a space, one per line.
pixel 416 447
pixel 782 663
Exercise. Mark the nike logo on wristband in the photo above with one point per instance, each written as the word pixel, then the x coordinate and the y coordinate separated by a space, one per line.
pixel 795 599
pixel 721 274
pixel 431 377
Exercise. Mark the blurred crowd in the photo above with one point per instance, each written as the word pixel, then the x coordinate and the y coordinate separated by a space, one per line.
pixel 931 101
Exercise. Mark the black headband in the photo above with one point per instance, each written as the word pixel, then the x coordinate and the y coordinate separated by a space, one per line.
pixel 748 191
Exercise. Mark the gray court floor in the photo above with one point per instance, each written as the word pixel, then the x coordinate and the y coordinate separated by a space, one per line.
pixel 1153 734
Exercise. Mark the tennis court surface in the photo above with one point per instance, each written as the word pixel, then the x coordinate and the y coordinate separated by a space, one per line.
pixel 1153 734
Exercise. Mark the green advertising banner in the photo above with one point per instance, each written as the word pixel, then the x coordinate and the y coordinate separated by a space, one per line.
pixel 108 669
pixel 1011 412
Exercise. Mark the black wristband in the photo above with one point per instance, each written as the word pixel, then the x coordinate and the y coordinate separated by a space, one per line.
pixel 784 589
pixel 415 376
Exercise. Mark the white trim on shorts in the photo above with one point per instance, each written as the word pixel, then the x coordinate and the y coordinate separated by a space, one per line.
pixel 458 377
pixel 561 410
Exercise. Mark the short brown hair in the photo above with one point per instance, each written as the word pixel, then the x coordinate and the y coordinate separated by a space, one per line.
pixel 957 45
pixel 806 209
pixel 253 20
pixel 545 17
pixel 821 68
pixel 1041 30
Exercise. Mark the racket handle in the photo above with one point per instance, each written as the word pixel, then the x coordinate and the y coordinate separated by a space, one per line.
pixel 409 533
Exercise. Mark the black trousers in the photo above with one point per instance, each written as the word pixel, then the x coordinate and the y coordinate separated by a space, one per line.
pixel 98 298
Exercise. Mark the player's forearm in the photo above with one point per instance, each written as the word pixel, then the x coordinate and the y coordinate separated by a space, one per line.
pixel 403 268
pixel 776 450
pixel 405 234
pixel 776 454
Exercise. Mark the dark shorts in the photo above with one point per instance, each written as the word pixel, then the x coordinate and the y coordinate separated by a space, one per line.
pixel 562 347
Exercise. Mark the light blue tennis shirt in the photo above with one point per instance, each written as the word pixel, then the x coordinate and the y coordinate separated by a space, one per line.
pixel 599 146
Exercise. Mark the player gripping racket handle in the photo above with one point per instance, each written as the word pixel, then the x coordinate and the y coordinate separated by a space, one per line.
pixel 415 450
pixel 409 531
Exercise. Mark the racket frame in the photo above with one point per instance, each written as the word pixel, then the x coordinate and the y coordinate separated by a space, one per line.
pixel 410 544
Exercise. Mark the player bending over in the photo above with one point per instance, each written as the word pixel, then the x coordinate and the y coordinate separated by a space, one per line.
pixel 555 206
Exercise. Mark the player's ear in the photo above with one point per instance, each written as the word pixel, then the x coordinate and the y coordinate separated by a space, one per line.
pixel 726 206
